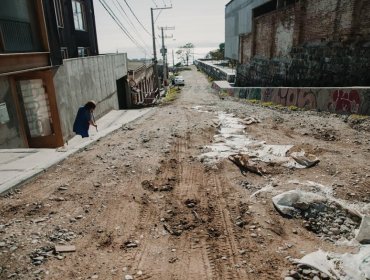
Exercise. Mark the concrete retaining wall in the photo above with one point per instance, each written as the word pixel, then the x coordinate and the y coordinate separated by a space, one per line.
pixel 338 100
pixel 216 72
pixel 90 78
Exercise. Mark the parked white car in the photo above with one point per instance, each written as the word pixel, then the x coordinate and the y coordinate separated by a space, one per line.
pixel 179 81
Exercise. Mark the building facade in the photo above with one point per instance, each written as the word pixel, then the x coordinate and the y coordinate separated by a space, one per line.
pixel 28 110
pixel 71 29
pixel 48 68
pixel 299 42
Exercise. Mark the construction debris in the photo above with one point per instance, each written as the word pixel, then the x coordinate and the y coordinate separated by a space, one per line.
pixel 65 248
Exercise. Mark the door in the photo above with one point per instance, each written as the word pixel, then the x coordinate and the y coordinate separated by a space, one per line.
pixel 124 100
pixel 38 109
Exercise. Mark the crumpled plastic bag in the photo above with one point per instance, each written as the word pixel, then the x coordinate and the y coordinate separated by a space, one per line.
pixel 291 202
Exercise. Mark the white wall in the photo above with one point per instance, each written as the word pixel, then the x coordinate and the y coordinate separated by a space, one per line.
pixel 79 80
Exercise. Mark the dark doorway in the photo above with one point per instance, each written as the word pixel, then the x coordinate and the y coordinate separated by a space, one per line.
pixel 124 101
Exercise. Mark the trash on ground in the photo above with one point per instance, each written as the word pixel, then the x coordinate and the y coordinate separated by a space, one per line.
pixel 326 218
pixel 250 120
pixel 341 266
pixel 233 139
pixel 307 160
pixel 65 248
pixel 292 202
pixel 246 164
pixel 363 235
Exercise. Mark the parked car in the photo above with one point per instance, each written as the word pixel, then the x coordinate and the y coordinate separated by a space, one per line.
pixel 179 81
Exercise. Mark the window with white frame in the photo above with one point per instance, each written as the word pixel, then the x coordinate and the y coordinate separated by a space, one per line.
pixel 82 51
pixel 79 15
pixel 59 13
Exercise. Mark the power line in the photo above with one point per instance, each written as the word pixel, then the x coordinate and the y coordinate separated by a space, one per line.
pixel 126 17
pixel 137 18
pixel 119 23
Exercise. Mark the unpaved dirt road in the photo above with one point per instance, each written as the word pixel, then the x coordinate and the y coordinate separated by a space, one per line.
pixel 139 204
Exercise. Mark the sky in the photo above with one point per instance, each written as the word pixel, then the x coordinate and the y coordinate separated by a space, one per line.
pixel 200 22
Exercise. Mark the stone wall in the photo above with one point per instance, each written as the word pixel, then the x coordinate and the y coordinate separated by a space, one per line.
pixel 337 65
pixel 90 78
pixel 336 100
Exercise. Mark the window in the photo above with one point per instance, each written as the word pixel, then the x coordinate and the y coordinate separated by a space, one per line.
pixel 19 27
pixel 265 8
pixel 82 51
pixel 58 13
pixel 79 15
pixel 64 52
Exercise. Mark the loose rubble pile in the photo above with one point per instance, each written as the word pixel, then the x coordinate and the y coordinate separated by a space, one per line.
pixel 40 255
pixel 62 236
pixel 329 221
pixel 303 272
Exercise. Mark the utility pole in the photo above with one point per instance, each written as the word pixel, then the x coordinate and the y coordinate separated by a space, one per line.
pixel 173 61
pixel 164 51
pixel 156 78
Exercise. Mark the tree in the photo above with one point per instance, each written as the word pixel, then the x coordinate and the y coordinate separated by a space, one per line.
pixel 184 53
pixel 218 54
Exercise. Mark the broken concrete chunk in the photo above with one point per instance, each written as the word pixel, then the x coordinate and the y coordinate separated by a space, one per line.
pixel 363 235
pixel 65 248
pixel 289 203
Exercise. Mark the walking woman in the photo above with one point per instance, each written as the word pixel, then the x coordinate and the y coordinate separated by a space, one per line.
pixel 85 118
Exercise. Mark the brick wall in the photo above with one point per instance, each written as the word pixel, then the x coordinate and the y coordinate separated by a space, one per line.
pixel 327 20
pixel 362 19
pixel 264 31
pixel 312 43
pixel 246 48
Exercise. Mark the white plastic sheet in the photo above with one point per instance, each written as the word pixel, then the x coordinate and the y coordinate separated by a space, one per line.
pixel 341 266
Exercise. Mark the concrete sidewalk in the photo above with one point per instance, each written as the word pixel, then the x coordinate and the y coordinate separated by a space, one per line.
pixel 19 165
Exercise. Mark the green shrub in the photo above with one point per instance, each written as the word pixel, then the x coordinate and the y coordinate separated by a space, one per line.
pixel 253 101
pixel 293 108
pixel 267 104
pixel 171 94
pixel 223 94
pixel 358 117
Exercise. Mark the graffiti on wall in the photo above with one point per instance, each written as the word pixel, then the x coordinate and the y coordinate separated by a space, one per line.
pixel 345 101
pixel 291 97
pixel 250 93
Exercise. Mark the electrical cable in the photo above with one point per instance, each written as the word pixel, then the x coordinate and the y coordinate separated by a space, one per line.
pixel 160 11
pixel 137 18
pixel 119 23
pixel 129 21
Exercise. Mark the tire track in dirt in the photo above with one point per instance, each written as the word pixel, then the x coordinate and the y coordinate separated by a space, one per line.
pixel 223 251
pixel 220 254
